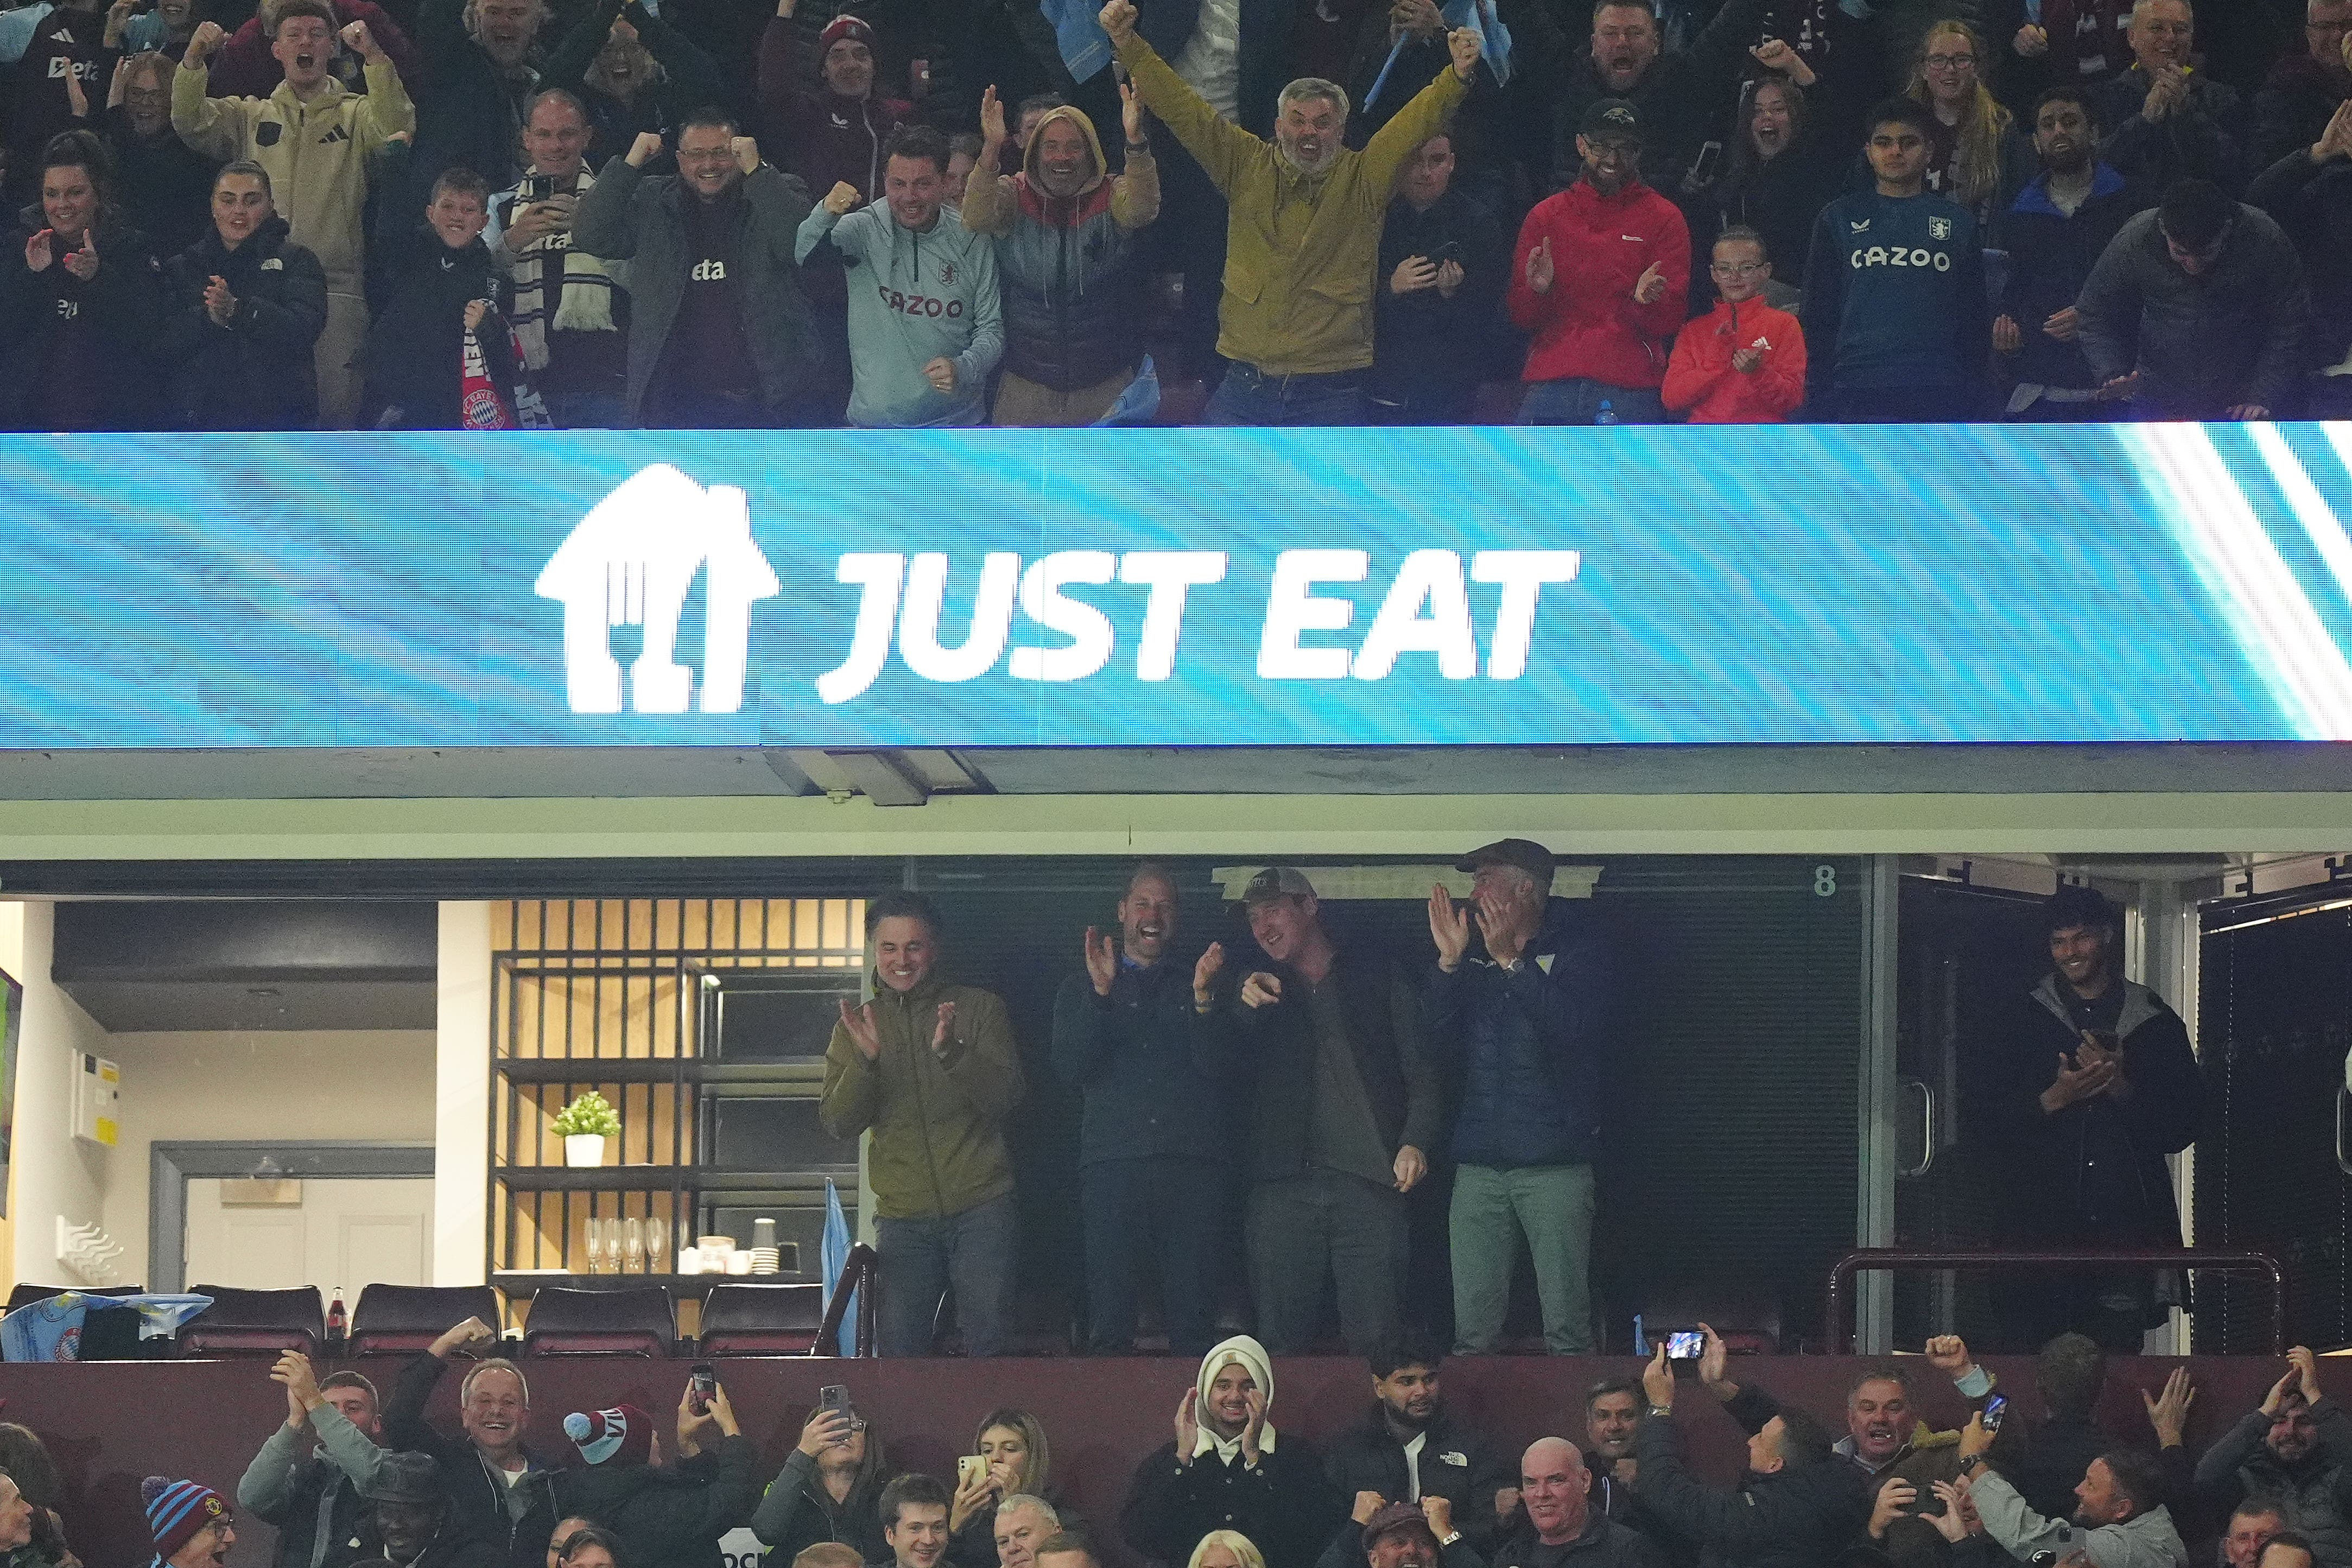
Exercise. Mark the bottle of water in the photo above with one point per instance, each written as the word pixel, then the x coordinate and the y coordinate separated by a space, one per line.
pixel 1608 414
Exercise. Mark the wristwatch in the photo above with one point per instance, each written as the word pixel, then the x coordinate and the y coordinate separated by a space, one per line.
pixel 1662 1411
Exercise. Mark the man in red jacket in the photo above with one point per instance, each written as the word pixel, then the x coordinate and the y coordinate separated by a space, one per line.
pixel 1600 277
pixel 1743 362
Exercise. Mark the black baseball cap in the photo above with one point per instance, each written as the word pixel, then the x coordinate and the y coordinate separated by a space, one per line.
pixel 1611 116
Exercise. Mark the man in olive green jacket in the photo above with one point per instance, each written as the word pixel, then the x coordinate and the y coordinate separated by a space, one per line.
pixel 932 1071
pixel 1302 232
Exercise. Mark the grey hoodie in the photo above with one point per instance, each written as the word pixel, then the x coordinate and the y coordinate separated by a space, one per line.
pixel 913 298
pixel 2144 1541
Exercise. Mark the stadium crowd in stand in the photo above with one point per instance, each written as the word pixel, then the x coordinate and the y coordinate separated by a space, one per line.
pixel 492 214
pixel 353 1480
pixel 1344 1071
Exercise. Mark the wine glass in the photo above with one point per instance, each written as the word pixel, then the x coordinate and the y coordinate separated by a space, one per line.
pixel 595 1229
pixel 658 1259
pixel 633 1233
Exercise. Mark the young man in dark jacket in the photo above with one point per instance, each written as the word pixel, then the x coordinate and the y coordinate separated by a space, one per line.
pixel 496 1487
pixel 1797 1507
pixel 80 298
pixel 720 332
pixel 1151 1194
pixel 243 310
pixel 1896 322
pixel 309 1479
pixel 1230 1468
pixel 1439 284
pixel 2055 231
pixel 1068 261
pixel 1345 1106
pixel 1407 1449
pixel 408 1522
pixel 2082 1147
pixel 1521 1024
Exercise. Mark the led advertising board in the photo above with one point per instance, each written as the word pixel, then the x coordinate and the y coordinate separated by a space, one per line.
pixel 1185 587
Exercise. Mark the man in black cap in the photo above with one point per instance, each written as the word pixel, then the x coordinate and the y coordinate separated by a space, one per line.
pixel 1518 1005
pixel 2087 1092
pixel 1600 282
pixel 408 1523
pixel 1344 1107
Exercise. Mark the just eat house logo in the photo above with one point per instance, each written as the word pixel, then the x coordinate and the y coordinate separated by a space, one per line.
pixel 634 558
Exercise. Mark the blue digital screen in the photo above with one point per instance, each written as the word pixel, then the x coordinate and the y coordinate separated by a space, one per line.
pixel 1791 584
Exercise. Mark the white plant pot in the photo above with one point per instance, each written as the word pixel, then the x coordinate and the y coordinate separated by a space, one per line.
pixel 583 1149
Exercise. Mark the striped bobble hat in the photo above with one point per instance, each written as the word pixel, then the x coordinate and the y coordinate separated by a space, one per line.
pixel 176 1510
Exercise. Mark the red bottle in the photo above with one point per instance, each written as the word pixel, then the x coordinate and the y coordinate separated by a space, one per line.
pixel 337 1320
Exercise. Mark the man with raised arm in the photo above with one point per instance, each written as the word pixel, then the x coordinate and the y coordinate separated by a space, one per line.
pixel 1303 229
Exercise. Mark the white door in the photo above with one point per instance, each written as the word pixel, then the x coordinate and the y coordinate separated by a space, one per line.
pixel 344 1232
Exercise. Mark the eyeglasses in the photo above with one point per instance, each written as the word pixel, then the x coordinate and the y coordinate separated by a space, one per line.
pixel 1951 62
pixel 1735 268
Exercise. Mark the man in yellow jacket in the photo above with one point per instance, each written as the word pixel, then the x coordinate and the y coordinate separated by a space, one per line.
pixel 932 1071
pixel 316 139
pixel 1303 229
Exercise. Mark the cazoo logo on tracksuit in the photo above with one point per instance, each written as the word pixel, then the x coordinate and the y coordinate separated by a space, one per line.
pixel 1900 255
pixel 920 304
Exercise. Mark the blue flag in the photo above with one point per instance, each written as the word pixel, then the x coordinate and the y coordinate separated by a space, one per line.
pixel 1140 401
pixel 1478 16
pixel 833 1257
pixel 1086 47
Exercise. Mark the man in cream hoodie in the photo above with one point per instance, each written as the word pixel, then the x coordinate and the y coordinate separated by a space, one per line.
pixel 1228 1469
pixel 315 139
pixel 925 324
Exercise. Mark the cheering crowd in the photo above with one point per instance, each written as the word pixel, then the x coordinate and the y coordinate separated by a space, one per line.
pixel 500 213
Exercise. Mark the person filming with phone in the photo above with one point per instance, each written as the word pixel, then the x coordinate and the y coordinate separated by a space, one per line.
pixel 570 310
pixel 666 1515
pixel 830 1489
pixel 2089 1088
pixel 2120 1518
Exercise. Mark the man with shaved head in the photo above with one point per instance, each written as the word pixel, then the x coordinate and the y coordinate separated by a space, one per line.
pixel 1562 1525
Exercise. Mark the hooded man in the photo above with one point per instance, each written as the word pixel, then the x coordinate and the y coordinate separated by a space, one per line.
pixel 1066 258
pixel 2293 1450
pixel 309 1479
pixel 931 1069
pixel 1562 1528
pixel 1229 1470
pixel 925 326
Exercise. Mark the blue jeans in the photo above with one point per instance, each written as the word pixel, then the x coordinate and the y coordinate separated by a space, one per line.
pixel 1153 1211
pixel 1577 401
pixel 588 411
pixel 974 1251
pixel 1249 396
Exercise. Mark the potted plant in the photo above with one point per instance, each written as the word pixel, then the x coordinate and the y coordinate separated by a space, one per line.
pixel 583 1125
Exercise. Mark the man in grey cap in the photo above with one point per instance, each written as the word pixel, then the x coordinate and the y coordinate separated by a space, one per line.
pixel 1344 1108
pixel 1400 1535
pixel 1517 1002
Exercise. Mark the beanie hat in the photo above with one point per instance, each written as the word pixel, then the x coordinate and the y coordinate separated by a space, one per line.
pixel 176 1510
pixel 622 1432
pixel 843 27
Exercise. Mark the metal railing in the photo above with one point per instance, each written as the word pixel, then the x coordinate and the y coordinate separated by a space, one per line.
pixel 1837 1328
pixel 861 1273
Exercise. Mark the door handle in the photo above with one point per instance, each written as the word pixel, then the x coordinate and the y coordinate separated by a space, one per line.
pixel 1927 1129
pixel 2343 1095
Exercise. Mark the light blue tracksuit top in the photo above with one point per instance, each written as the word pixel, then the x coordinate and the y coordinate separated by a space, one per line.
pixel 913 298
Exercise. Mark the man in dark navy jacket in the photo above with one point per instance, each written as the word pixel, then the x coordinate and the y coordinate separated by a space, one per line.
pixel 1151 1190
pixel 1521 1021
